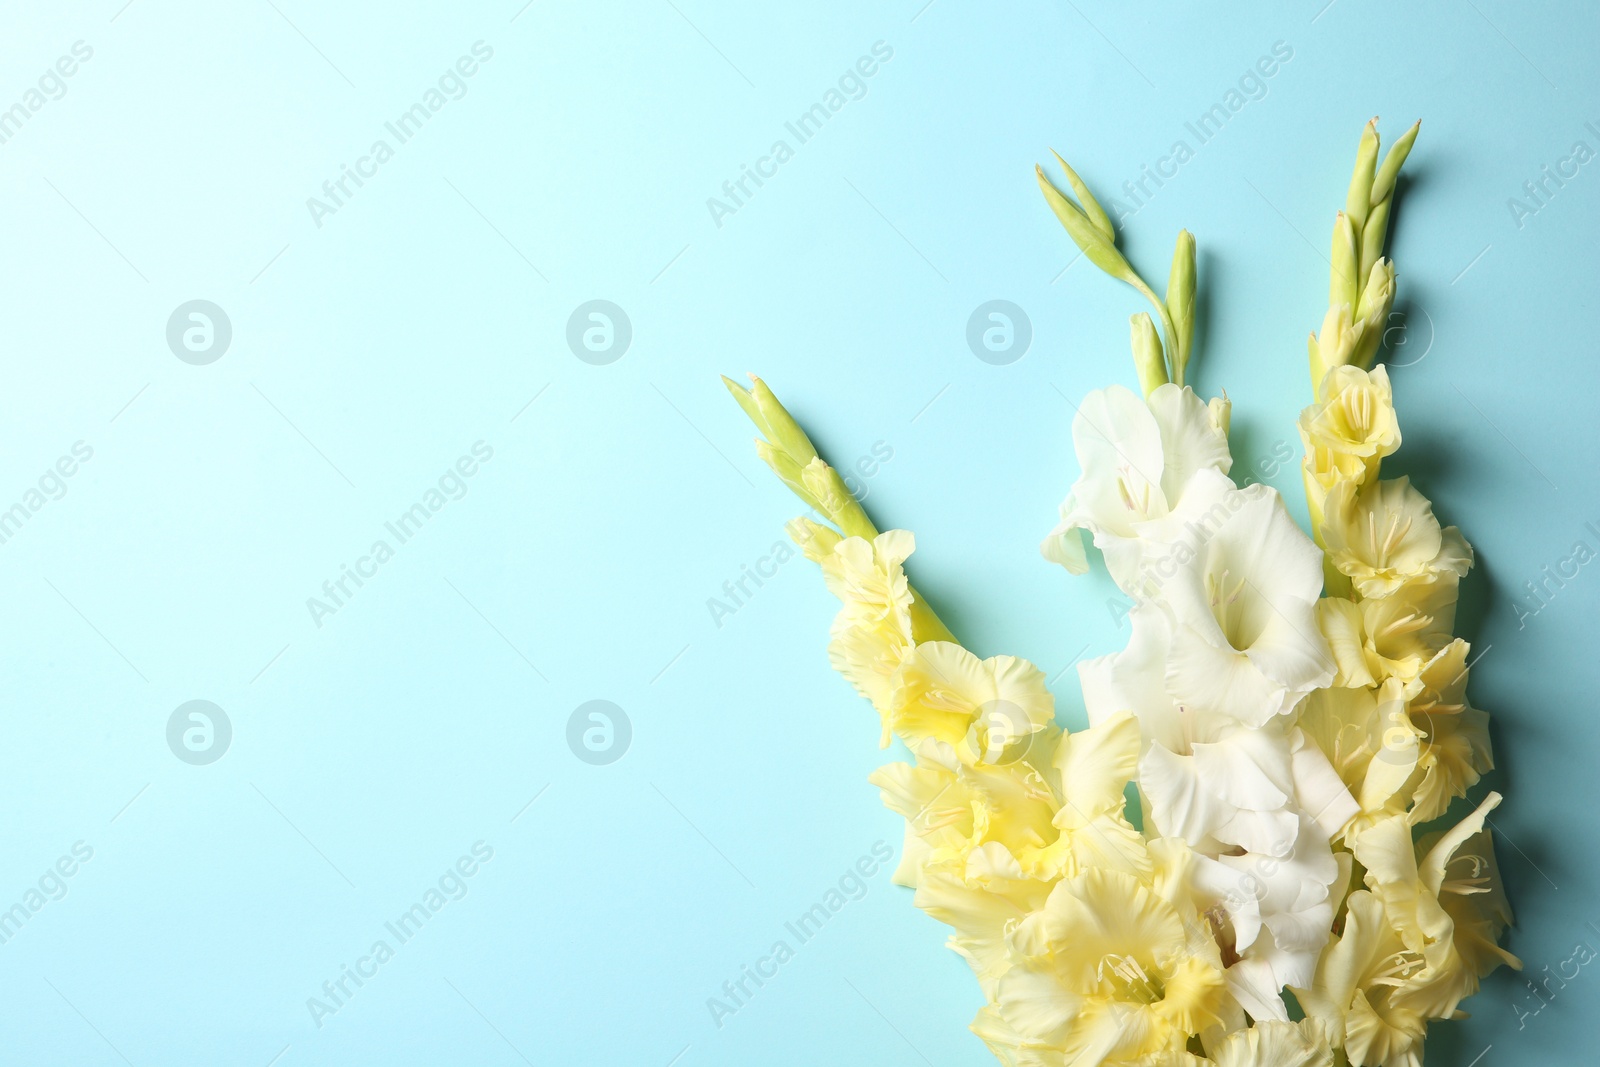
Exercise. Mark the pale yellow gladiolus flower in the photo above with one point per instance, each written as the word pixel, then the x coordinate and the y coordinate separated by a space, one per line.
pixel 1372 743
pixel 1414 890
pixel 985 842
pixel 1322 471
pixel 1336 343
pixel 1407 746
pixel 978 844
pixel 1276 1044
pixel 1394 636
pixel 1456 751
pixel 1353 416
pixel 871 635
pixel 1475 899
pixel 1113 970
pixel 952 808
pixel 1339 619
pixel 1346 434
pixel 1265 1043
pixel 1353 995
pixel 1094 767
pixel 1402 958
pixel 989 710
pixel 1383 535
pixel 1351 330
pixel 1401 633
pixel 1444 681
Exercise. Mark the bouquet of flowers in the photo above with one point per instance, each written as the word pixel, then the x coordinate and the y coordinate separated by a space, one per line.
pixel 1235 863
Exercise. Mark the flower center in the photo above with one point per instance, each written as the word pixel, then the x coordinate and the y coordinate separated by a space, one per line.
pixel 1388 636
pixel 1475 880
pixel 1357 408
pixel 1380 548
pixel 1394 969
pixel 1135 492
pixel 1224 593
pixel 1129 980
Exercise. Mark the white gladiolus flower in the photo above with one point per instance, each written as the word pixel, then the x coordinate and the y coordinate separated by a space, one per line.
pixel 1245 641
pixel 1246 790
pixel 1145 465
pixel 1279 906
pixel 1214 782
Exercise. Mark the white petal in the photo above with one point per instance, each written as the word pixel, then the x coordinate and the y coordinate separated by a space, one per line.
pixel 1064 545
pixel 1319 791
pixel 1119 451
pixel 1113 427
pixel 1261 833
pixel 1190 441
pixel 1257 990
pixel 1219 681
pixel 1221 884
pixel 1132 680
pixel 1247 768
pixel 1249 593
pixel 1181 805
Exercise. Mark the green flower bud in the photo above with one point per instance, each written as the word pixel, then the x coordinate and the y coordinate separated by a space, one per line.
pixel 1361 282
pixel 1383 181
pixel 1094 242
pixel 1091 230
pixel 783 431
pixel 1359 200
pixel 1092 209
pixel 788 471
pixel 1376 226
pixel 1344 280
pixel 1379 290
pixel 1373 312
pixel 1336 344
pixel 835 500
pixel 748 404
pixel 1147 358
pixel 1180 302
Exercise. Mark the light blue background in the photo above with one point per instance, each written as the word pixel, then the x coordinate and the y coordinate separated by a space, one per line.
pixel 426 314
